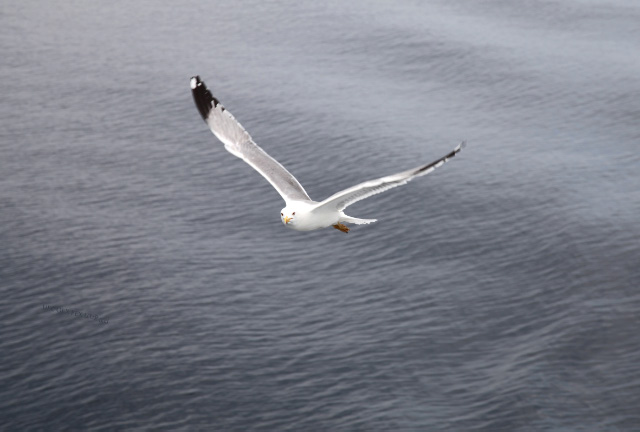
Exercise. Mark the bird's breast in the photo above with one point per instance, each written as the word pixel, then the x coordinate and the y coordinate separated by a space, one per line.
pixel 309 221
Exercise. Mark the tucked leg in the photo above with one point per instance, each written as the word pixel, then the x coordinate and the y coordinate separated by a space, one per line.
pixel 341 227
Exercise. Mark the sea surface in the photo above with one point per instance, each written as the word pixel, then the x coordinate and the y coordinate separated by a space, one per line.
pixel 499 293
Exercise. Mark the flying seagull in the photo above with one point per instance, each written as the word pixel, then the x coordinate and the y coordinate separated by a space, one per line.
pixel 301 213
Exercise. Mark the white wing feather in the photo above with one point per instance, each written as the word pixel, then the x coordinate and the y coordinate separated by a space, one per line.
pixel 339 201
pixel 239 143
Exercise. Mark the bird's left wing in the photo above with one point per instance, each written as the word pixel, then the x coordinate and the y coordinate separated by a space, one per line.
pixel 342 199
pixel 239 143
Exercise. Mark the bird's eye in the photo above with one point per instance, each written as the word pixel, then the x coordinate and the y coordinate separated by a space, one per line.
pixel 281 214
pixel 293 214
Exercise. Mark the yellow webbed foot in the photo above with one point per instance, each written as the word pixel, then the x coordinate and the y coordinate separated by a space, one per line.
pixel 341 227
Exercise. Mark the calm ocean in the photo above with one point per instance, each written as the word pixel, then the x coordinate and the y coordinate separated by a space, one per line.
pixel 499 293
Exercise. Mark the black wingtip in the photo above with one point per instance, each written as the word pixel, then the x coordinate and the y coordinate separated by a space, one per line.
pixel 443 159
pixel 195 80
pixel 203 98
pixel 456 150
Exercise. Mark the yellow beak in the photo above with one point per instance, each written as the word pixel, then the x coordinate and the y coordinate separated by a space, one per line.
pixel 287 219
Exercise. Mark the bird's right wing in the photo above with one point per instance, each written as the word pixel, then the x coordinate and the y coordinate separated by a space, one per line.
pixel 239 143
pixel 342 199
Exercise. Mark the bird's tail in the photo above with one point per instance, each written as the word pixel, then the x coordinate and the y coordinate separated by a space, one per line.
pixel 358 221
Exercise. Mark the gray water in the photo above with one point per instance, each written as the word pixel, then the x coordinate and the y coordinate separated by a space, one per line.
pixel 499 293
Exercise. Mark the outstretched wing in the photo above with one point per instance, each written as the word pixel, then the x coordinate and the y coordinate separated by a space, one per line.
pixel 239 143
pixel 342 199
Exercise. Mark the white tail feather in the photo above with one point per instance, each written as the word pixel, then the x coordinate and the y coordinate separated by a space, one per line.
pixel 358 221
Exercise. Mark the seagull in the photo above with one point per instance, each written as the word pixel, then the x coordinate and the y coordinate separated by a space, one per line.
pixel 300 213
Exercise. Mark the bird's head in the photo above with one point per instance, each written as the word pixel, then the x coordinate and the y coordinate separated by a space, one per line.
pixel 287 215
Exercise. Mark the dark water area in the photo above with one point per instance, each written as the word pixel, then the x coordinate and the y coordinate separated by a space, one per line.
pixel 499 293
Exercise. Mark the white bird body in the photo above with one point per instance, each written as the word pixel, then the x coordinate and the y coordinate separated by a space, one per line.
pixel 301 212
pixel 312 215
pixel 308 216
